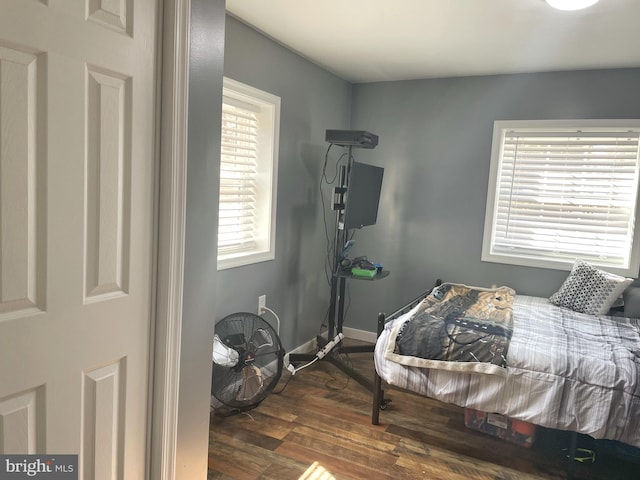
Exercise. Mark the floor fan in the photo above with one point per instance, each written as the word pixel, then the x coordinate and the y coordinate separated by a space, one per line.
pixel 247 362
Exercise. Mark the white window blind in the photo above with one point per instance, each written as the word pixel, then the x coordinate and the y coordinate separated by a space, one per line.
pixel 561 193
pixel 238 177
pixel 248 175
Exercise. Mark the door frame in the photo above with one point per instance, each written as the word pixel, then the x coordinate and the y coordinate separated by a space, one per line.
pixel 174 27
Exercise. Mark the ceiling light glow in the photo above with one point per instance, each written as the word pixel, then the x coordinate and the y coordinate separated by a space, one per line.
pixel 571 4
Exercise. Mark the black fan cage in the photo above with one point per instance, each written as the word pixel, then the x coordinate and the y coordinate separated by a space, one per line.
pixel 259 361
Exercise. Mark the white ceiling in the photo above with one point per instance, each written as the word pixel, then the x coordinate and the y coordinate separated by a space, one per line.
pixel 379 40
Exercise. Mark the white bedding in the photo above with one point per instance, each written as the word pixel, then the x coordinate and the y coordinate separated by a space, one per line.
pixel 566 370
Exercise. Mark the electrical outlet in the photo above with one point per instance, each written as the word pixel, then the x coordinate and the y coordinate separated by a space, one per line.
pixel 262 303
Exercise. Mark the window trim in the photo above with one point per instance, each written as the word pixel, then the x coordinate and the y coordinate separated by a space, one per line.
pixel 268 176
pixel 500 127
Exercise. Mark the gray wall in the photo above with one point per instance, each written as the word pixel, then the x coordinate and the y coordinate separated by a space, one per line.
pixel 312 100
pixel 203 174
pixel 435 145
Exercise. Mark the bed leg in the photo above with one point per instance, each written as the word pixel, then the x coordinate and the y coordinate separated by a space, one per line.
pixel 377 398
pixel 572 454
pixel 378 393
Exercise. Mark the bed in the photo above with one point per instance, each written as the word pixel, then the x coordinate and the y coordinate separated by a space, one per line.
pixel 564 370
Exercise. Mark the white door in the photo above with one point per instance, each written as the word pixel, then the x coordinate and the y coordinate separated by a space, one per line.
pixel 77 122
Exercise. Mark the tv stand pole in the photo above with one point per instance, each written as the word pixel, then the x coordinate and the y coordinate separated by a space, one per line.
pixel 339 279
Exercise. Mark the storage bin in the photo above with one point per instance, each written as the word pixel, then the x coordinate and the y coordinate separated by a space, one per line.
pixel 514 431
pixel 618 449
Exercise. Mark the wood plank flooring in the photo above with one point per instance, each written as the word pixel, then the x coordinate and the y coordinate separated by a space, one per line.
pixel 319 427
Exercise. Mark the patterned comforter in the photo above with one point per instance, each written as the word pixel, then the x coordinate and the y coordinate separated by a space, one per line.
pixel 458 328
pixel 565 370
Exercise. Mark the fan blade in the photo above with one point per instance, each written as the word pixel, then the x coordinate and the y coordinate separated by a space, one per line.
pixel 225 384
pixel 252 383
pixel 261 338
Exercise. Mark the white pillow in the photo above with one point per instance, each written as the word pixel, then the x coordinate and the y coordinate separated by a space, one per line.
pixel 590 290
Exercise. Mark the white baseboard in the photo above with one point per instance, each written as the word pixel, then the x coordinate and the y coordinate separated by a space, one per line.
pixel 362 335
pixel 307 347
pixel 310 346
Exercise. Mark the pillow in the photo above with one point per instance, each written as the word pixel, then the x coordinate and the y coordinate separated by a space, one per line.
pixel 590 290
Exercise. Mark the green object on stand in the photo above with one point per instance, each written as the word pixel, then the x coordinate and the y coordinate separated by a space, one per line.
pixel 363 272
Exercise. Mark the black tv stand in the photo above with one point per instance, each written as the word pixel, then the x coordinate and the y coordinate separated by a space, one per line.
pixel 339 278
pixel 336 319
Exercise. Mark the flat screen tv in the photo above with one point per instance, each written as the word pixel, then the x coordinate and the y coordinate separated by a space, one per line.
pixel 363 195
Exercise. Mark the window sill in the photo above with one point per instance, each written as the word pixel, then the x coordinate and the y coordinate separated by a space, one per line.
pixel 242 259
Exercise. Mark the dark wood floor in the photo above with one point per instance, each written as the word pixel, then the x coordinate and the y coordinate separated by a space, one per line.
pixel 319 427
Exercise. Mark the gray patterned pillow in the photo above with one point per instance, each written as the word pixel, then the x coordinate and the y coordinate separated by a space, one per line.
pixel 590 290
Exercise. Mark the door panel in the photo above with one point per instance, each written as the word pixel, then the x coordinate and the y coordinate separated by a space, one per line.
pixel 108 177
pixel 21 217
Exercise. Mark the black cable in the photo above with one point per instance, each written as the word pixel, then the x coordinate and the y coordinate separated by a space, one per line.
pixel 284 386
pixel 324 167
pixel 324 321
pixel 324 179
pixel 346 310
pixel 344 358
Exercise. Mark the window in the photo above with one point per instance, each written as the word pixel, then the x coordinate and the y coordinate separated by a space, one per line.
pixel 248 171
pixel 560 190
